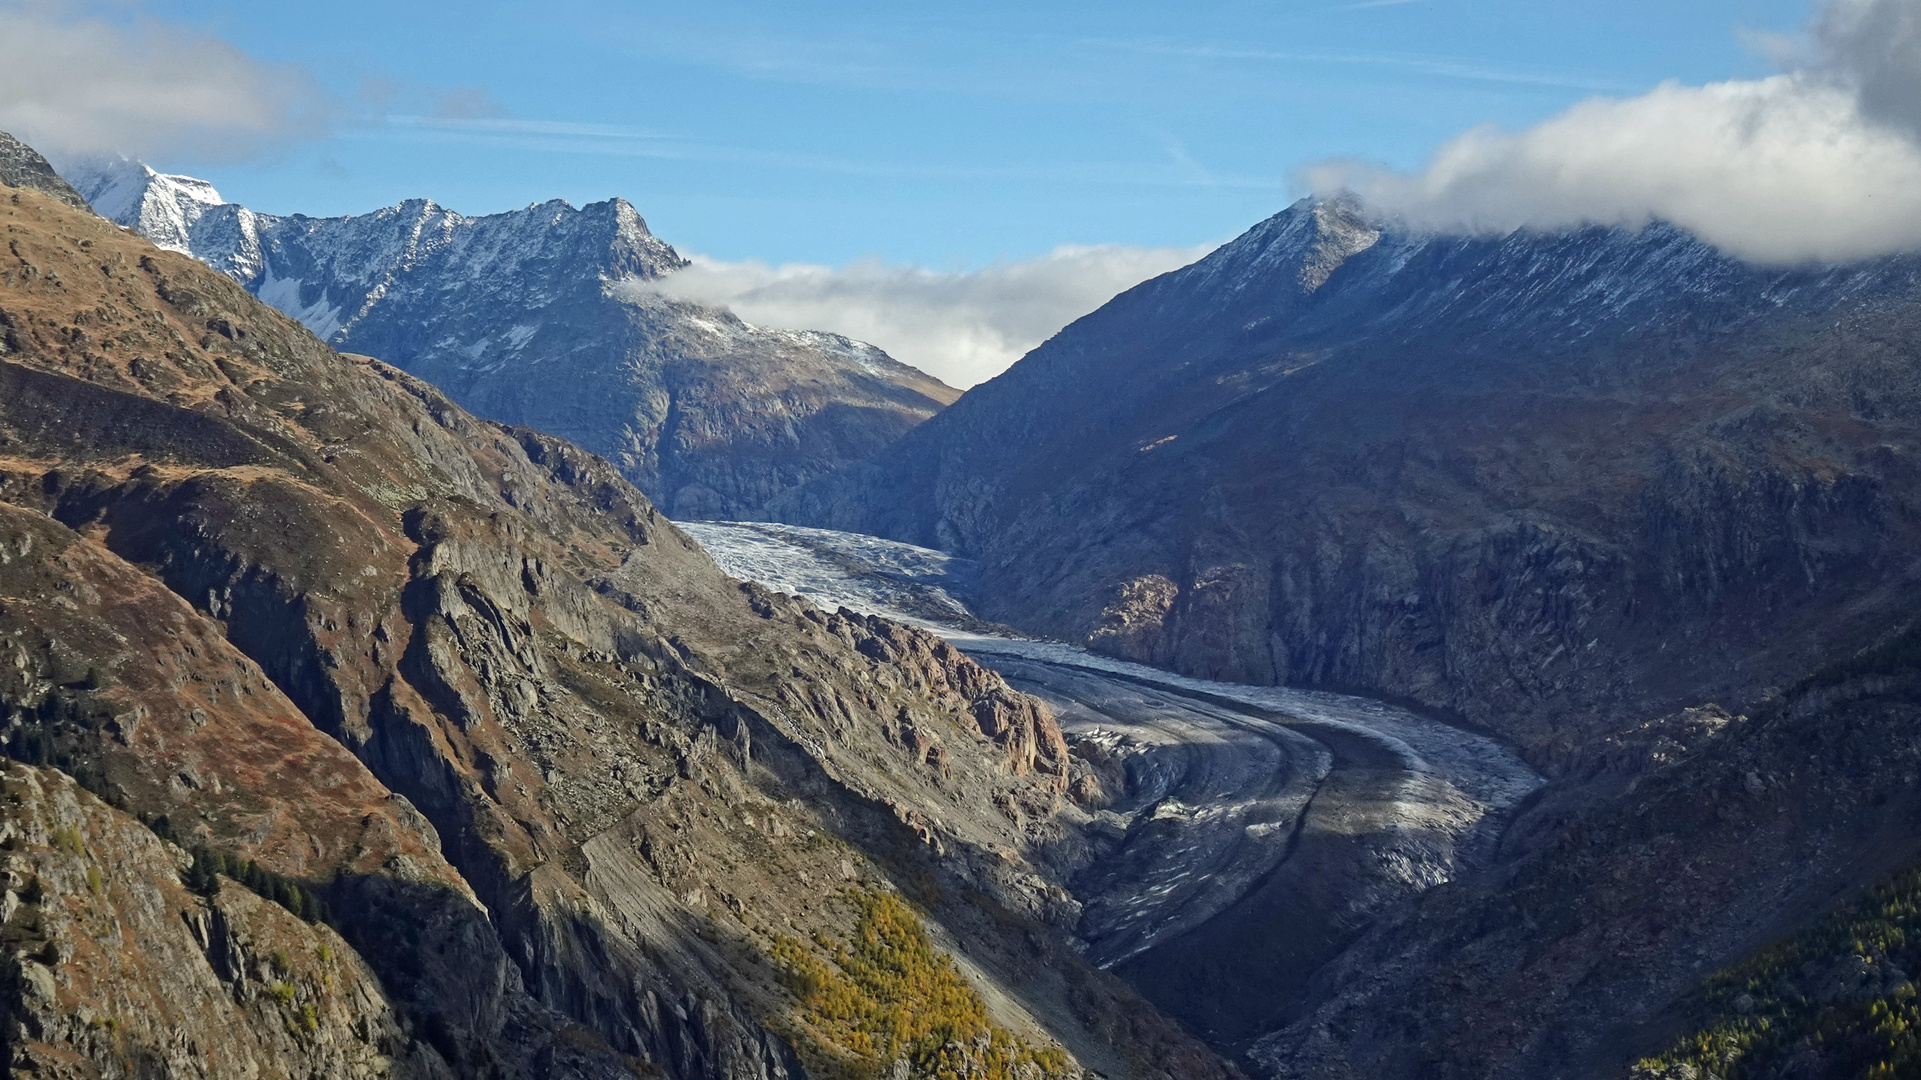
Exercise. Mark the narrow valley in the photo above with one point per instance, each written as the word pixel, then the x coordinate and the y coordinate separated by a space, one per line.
pixel 1231 837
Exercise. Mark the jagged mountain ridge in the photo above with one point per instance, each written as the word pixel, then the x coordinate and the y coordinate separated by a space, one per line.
pixel 562 785
pixel 1305 446
pixel 543 317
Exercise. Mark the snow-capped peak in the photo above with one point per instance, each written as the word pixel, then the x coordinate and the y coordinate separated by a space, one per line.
pixel 128 192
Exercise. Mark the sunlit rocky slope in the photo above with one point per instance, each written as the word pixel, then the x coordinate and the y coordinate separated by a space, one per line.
pixel 545 317
pixel 353 735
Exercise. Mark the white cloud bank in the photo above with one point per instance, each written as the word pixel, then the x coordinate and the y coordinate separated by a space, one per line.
pixel 960 326
pixel 1820 163
pixel 75 84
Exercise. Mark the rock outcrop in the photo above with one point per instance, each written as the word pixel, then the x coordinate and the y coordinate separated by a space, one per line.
pixel 1019 725
pixel 547 317
pixel 112 962
pixel 557 784
pixel 22 167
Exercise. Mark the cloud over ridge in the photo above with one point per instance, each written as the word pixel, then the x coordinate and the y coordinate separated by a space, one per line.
pixel 1822 162
pixel 75 84
pixel 960 326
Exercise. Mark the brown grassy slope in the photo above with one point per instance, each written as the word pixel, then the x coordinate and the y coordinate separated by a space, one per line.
pixel 177 721
pixel 114 962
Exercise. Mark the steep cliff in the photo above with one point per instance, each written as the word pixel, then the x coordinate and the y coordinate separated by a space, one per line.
pixel 112 962
pixel 459 691
pixel 544 317
pixel 1554 483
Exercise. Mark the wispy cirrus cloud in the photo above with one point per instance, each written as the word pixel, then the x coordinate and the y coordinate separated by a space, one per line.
pixel 1436 66
pixel 1820 162
pixel 506 127
pixel 1174 168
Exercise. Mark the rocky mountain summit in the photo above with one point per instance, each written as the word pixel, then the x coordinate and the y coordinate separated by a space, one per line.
pixel 350 734
pixel 544 317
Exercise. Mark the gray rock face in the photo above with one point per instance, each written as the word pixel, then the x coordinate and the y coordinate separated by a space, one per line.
pixel 1546 481
pixel 544 317
pixel 21 166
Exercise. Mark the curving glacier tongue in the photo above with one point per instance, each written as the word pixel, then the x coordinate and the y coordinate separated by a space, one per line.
pixel 1226 828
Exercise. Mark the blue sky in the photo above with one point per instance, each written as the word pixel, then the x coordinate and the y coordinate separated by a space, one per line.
pixel 954 183
pixel 946 135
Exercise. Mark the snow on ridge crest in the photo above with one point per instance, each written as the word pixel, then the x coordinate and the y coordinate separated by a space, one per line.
pixel 495 273
pixel 290 262
pixel 161 206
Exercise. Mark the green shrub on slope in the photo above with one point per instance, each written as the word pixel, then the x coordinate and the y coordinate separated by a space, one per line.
pixel 888 1000
pixel 1833 1001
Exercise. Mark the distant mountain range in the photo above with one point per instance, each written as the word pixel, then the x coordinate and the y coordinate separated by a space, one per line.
pixel 544 317
pixel 1291 461
pixel 571 802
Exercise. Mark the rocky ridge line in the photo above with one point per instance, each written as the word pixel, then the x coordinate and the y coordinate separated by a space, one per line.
pixel 546 317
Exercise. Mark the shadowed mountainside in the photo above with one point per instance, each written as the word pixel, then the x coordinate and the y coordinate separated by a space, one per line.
pixel 1544 481
pixel 1645 511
